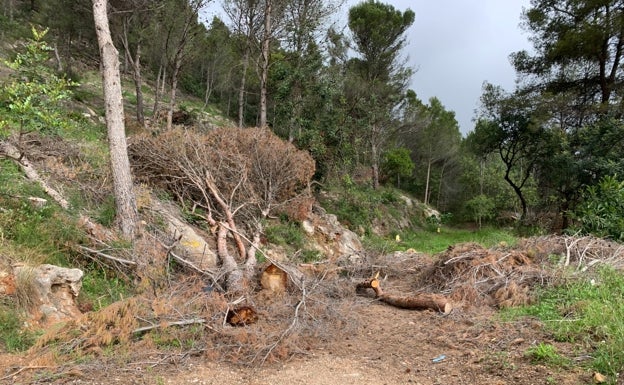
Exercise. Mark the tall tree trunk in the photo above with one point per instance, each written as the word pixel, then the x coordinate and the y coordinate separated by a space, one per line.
pixel 177 64
pixel 426 198
pixel 136 72
pixel 138 84
pixel 375 166
pixel 264 76
pixel 159 79
pixel 125 200
pixel 241 89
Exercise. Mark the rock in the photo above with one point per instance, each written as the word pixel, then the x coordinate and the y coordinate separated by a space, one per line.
pixel 52 291
pixel 599 378
pixel 192 246
pixel 330 236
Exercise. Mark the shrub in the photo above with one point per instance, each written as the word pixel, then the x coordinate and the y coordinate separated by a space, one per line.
pixel 602 211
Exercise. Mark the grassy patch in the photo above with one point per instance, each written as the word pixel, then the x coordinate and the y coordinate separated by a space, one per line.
pixel 101 289
pixel 13 338
pixel 586 312
pixel 546 354
pixel 433 242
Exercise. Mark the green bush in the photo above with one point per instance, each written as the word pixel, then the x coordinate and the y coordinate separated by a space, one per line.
pixel 397 164
pixel 602 210
pixel 33 97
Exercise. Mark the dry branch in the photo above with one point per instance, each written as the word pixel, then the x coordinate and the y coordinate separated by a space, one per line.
pixel 11 152
pixel 163 325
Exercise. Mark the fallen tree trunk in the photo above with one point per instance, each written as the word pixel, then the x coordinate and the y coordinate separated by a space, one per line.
pixel 416 302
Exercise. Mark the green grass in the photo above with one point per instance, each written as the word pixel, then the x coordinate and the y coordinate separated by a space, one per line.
pixel 547 354
pixel 101 288
pixel 433 242
pixel 589 313
pixel 12 337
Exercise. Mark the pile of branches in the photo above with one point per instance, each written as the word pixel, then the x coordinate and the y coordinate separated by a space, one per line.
pixel 474 275
pixel 233 179
pixel 188 318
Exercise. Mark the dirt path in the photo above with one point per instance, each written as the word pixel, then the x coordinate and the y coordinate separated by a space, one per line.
pixel 391 346
pixel 398 347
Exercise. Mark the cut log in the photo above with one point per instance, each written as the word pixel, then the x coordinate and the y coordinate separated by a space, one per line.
pixel 421 301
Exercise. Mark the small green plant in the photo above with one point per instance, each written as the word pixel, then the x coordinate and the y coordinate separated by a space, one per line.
pixel 547 354
pixel 397 164
pixel 481 208
pixel 101 289
pixel 285 234
pixel 13 338
pixel 495 362
pixel 32 99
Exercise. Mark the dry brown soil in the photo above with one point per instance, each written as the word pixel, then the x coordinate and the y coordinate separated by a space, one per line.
pixel 392 346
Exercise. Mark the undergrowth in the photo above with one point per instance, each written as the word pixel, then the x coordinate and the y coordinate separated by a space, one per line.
pixel 587 312
pixel 433 242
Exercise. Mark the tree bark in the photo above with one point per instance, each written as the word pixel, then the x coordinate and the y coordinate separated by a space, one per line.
pixel 125 200
pixel 420 301
pixel 241 90
pixel 265 64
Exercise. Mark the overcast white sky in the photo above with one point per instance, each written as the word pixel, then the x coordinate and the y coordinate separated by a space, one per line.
pixel 456 45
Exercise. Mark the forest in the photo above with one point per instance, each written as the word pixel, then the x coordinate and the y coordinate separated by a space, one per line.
pixel 239 189
pixel 546 154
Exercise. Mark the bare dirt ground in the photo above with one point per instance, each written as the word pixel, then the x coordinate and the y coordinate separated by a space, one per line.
pixel 373 342
pixel 391 346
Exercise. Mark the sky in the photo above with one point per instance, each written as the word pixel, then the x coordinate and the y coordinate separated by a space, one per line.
pixel 456 45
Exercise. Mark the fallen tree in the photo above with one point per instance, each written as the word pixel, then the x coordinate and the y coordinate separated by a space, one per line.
pixel 232 179
pixel 421 301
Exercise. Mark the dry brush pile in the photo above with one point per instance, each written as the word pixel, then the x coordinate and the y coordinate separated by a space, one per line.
pixel 502 276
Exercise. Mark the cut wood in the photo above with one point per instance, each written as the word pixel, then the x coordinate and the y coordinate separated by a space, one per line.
pixel 416 302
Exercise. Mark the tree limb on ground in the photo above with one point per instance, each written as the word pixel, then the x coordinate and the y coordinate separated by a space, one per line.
pixel 13 153
pixel 416 302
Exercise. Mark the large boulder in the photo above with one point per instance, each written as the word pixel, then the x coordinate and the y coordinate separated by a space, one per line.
pixel 50 290
pixel 329 236
pixel 192 246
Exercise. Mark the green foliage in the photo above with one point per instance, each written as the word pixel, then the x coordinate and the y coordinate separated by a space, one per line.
pixel 13 338
pixel 47 230
pixel 432 242
pixel 602 210
pixel 286 233
pixel 357 206
pixel 107 212
pixel 547 354
pixel 481 208
pixel 101 288
pixel 587 312
pixel 397 164
pixel 32 99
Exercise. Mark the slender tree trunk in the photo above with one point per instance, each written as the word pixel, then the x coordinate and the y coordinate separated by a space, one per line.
pixel 265 64
pixel 138 84
pixel 241 90
pixel 440 185
pixel 135 62
pixel 426 198
pixel 174 87
pixel 159 79
pixel 375 166
pixel 125 200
